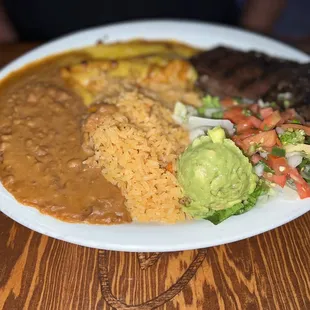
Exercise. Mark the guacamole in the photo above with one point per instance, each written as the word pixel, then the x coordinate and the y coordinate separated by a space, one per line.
pixel 214 174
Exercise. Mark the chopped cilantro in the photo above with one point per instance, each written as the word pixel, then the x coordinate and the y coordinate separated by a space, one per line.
pixel 304 169
pixel 253 148
pixel 305 162
pixel 246 112
pixel 276 151
pixel 266 167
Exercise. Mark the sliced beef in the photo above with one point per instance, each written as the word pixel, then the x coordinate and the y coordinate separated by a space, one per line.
pixel 296 82
pixel 228 72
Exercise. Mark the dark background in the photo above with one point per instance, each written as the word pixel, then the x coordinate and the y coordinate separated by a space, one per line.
pixel 42 20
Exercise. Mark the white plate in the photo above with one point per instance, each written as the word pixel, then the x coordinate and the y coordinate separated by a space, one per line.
pixel 143 237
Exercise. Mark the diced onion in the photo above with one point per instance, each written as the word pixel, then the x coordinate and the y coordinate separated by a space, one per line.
pixel 209 112
pixel 195 133
pixel 294 160
pixel 259 169
pixel 263 154
pixel 279 130
pixel 195 122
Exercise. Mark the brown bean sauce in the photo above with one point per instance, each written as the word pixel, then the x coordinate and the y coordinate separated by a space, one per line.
pixel 41 158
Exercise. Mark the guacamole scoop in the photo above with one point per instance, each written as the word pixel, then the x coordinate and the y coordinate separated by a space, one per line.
pixel 214 174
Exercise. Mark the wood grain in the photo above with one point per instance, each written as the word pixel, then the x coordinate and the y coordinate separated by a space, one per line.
pixel 269 271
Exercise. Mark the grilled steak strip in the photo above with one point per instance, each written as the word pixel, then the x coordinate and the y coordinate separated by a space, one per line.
pixel 228 72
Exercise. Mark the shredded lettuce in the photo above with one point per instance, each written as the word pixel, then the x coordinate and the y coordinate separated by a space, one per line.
pixel 261 189
pixel 292 136
pixel 218 217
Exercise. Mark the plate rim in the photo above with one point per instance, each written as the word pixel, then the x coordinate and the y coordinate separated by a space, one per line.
pixel 6 70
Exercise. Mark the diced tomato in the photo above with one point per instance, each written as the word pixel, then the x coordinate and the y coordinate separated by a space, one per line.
pixel 255 121
pixel 228 102
pixel 296 126
pixel 303 188
pixel 238 142
pixel 280 180
pixel 256 158
pixel 234 114
pixel 271 121
pixel 265 112
pixel 277 179
pixel 279 143
pixel 243 126
pixel 254 108
pixel 268 149
pixel 248 133
pixel 263 139
pixel 287 115
pixel 278 164
pixel 247 123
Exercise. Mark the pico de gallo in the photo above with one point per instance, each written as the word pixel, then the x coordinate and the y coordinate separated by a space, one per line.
pixel 276 142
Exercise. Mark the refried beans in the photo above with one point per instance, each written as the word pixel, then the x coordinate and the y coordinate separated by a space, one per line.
pixel 41 158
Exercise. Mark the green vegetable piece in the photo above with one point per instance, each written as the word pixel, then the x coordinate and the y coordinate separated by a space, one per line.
pixel 261 189
pixel 276 151
pixel 201 110
pixel 292 136
pixel 218 115
pixel 209 102
pixel 266 167
pixel 219 216
pixel 295 121
pixel 304 169
pixel 286 104
pixel 238 100
pixel 304 163
pixel 246 112
pixel 253 148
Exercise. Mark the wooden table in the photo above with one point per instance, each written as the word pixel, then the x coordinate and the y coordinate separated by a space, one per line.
pixel 270 271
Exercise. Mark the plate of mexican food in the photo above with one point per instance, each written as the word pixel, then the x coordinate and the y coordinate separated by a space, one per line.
pixel 155 136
